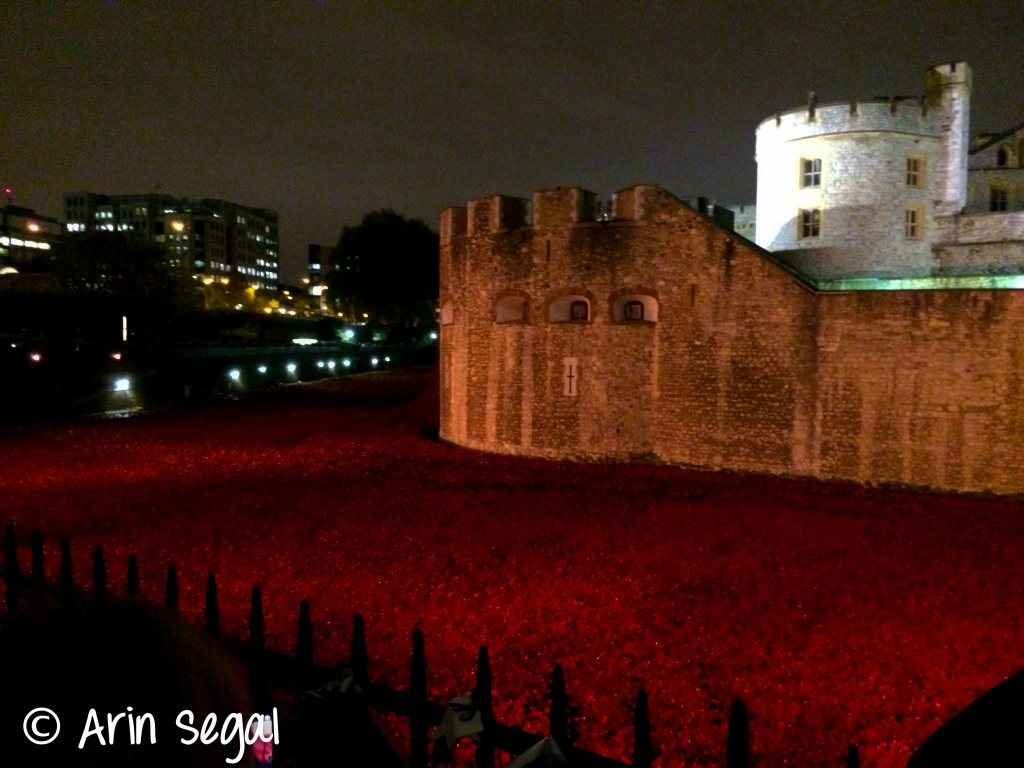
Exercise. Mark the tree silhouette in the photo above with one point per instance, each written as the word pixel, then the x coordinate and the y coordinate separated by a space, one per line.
pixel 386 268
pixel 134 271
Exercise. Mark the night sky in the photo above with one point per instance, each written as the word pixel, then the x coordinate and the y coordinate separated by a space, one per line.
pixel 324 111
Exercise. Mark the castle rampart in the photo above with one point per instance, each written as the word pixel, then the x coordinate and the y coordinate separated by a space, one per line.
pixel 912 116
pixel 659 334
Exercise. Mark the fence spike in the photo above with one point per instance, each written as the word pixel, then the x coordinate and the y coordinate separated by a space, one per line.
pixel 10 548
pixel 558 718
pixel 212 612
pixel 99 574
pixel 305 677
pixel 359 657
pixel 257 629
pixel 738 750
pixel 257 660
pixel 853 757
pixel 133 576
pixel 38 571
pixel 11 574
pixel 304 643
pixel 418 752
pixel 67 574
pixel 482 697
pixel 643 753
pixel 171 599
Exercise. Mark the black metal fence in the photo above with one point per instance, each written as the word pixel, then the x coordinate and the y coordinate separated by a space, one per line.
pixel 414 703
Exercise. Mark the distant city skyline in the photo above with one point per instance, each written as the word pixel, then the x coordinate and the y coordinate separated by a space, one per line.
pixel 327 112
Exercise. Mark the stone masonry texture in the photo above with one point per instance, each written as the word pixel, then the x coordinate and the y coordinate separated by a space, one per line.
pixel 745 367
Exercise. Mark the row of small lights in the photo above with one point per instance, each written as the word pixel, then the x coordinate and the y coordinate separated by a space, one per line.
pixel 124 384
pixel 37 357
pixel 235 374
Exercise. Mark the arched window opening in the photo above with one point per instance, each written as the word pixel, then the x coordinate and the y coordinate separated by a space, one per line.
pixel 510 309
pixel 641 308
pixel 447 313
pixel 574 308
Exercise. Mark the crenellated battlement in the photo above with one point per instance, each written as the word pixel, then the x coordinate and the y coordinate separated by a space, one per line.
pixel 453 223
pixel 944 85
pixel 955 75
pixel 547 209
pixel 899 114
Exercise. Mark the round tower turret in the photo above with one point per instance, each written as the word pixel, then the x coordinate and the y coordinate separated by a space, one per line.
pixel 852 188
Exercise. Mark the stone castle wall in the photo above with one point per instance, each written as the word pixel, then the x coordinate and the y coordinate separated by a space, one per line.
pixel 981 182
pixel 736 364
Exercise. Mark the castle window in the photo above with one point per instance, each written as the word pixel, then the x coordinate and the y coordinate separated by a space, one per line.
pixel 915 171
pixel 571 308
pixel 447 313
pixel 640 307
pixel 810 222
pixel 510 309
pixel 810 173
pixel 998 199
pixel 912 224
pixel 1002 157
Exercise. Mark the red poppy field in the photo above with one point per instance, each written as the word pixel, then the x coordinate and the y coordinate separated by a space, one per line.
pixel 839 614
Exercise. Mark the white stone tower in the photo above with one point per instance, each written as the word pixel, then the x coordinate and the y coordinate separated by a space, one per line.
pixel 948 88
pixel 852 189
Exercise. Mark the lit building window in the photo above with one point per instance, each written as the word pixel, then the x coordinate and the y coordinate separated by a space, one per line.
pixel 810 175
pixel 810 222
pixel 998 199
pixel 912 224
pixel 915 171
